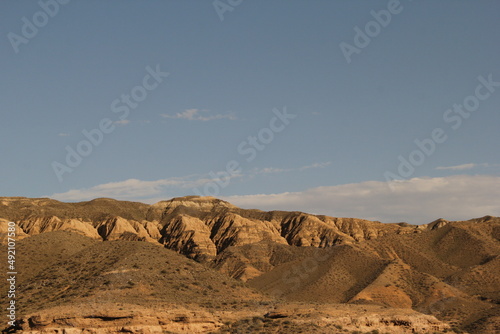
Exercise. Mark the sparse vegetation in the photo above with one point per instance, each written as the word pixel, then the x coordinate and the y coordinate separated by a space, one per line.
pixel 63 268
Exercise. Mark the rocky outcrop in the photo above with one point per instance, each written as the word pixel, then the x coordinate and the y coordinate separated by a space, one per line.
pixel 4 231
pixel 37 225
pixel 308 230
pixel 438 223
pixel 204 222
pixel 117 228
pixel 396 324
pixel 232 229
pixel 110 319
pixel 106 318
pixel 201 228
pixel 114 228
pixel 448 269
pixel 20 208
pixel 189 236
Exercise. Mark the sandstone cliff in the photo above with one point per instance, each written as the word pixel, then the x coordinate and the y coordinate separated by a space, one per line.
pixel 445 268
pixel 198 227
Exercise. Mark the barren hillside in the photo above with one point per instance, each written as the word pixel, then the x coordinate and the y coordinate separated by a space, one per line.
pixel 201 264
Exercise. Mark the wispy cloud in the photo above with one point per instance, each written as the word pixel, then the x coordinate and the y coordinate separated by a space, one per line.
pixel 273 170
pixel 122 122
pixel 199 115
pixel 269 170
pixel 140 190
pixel 418 200
pixel 316 165
pixel 462 167
pixel 128 189
pixel 144 190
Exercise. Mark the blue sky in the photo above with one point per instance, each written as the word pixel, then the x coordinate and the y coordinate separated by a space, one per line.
pixel 350 119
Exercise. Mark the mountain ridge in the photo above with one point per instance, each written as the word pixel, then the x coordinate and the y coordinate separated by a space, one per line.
pixel 447 269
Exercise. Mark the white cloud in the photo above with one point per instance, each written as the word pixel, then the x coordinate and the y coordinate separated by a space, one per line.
pixel 417 201
pixel 122 122
pixel 139 190
pixel 316 165
pixel 462 167
pixel 195 115
pixel 127 189
pixel 133 189
pixel 272 170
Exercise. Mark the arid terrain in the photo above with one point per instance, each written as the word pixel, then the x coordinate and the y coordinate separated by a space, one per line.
pixel 203 265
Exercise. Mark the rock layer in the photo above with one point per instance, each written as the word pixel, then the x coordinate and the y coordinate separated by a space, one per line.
pixel 198 227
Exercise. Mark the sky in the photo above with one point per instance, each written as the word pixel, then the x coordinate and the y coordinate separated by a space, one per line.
pixel 384 110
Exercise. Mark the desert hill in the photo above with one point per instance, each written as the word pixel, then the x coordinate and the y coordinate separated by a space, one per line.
pixel 17 208
pixel 80 267
pixel 192 255
pixel 452 271
pixel 201 228
pixel 69 283
pixel 61 271
pixel 198 227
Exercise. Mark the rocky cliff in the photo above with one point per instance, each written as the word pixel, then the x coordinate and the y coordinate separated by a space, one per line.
pixel 447 269
pixel 199 227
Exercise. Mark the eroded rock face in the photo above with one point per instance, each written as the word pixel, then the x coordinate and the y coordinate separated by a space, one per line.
pixel 117 228
pixel 189 236
pixel 203 228
pixel 202 223
pixel 37 225
pixel 198 227
pixel 397 324
pixel 134 320
pixel 4 230
pixel 114 228
pixel 232 229
pixel 448 269
pixel 303 318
